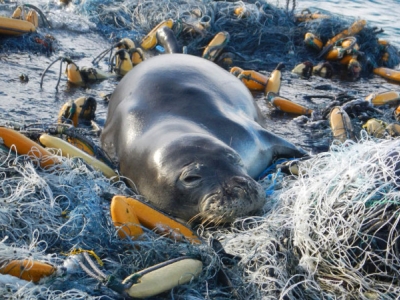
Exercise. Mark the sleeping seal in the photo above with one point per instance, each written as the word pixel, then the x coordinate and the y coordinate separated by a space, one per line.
pixel 190 137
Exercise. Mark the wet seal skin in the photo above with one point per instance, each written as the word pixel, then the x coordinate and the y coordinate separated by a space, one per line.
pixel 190 137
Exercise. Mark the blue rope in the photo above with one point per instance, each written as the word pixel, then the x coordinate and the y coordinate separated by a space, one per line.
pixel 272 174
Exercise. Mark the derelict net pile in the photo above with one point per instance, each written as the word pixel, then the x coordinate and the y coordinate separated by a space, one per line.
pixel 261 34
pixel 333 231
pixel 54 215
pixel 35 42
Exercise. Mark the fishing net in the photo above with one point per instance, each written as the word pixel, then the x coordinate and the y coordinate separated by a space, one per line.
pixel 34 42
pixel 261 34
pixel 53 215
pixel 332 231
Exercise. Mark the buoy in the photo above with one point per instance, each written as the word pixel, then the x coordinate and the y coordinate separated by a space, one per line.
pixel 287 105
pixel 163 277
pixel 137 56
pixel 75 75
pixel 274 81
pixel 123 62
pixel 323 69
pixel 312 41
pixel 388 73
pixel 354 68
pixel 354 29
pixel 335 53
pixel 67 114
pixel 306 16
pixel 390 97
pixel 125 43
pixel 33 18
pixel 85 108
pixel 29 270
pixel 81 76
pixel 216 45
pixel 376 128
pixel 123 215
pixel 68 150
pixel 393 129
pixel 236 71
pixel 341 127
pixel 25 145
pixel 81 109
pixel 254 80
pixel 304 69
pixel 155 220
pixel 82 145
pixel 241 12
pixel 150 40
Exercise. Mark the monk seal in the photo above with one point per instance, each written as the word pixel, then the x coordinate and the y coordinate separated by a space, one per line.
pixel 190 137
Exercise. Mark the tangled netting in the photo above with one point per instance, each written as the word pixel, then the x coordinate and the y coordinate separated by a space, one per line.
pixel 332 232
pixel 261 36
pixel 52 215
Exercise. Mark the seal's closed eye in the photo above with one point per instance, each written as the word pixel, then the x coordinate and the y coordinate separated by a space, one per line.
pixel 191 178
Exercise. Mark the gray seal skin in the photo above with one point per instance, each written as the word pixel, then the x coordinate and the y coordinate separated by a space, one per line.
pixel 189 136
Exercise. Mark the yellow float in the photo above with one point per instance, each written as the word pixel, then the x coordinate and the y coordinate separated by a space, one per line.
pixel 68 150
pixel 388 73
pixel 286 105
pixel 342 129
pixel 26 146
pixel 28 269
pixel 151 219
pixel 389 97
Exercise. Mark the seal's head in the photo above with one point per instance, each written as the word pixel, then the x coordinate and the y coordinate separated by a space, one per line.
pixel 203 180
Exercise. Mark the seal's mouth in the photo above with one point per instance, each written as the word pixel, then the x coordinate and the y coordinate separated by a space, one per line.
pixel 238 197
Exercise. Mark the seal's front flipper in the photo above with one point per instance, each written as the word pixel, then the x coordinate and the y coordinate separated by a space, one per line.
pixel 280 147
